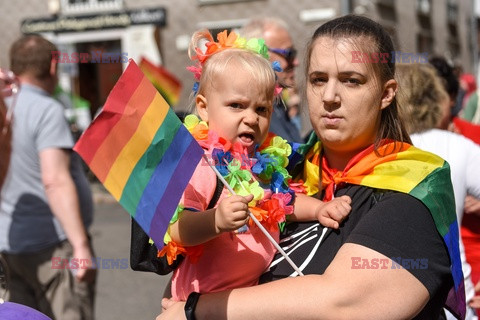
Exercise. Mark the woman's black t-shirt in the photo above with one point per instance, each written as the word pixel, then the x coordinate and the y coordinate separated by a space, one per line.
pixel 394 224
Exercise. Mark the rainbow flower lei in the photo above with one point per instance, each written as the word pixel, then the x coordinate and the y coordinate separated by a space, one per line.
pixel 228 41
pixel 264 175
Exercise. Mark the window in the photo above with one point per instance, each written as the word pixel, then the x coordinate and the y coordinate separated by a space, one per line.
pixel 424 42
pixel 424 7
pixel 387 12
pixel 452 11
pixel 387 3
pixel 454 47
pixel 425 35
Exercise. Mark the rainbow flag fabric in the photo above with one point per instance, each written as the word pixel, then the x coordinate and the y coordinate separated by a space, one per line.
pixel 166 83
pixel 141 152
pixel 405 169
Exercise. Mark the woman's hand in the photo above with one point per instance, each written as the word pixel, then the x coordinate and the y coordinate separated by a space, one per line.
pixel 475 302
pixel 172 309
pixel 472 205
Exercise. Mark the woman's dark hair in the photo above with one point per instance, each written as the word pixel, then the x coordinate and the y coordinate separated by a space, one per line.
pixel 353 26
pixel 447 72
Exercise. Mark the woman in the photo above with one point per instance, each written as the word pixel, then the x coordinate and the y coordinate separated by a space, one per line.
pixel 424 106
pixel 387 260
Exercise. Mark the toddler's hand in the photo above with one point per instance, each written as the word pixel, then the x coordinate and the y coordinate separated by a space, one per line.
pixel 232 213
pixel 331 213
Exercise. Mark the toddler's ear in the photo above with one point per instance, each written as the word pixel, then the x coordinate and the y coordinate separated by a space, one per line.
pixel 201 106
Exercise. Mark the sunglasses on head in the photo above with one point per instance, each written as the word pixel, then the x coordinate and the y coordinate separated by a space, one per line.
pixel 288 54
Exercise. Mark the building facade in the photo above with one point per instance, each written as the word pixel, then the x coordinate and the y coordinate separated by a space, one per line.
pixel 160 30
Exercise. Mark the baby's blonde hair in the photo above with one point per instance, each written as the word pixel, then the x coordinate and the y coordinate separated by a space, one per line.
pixel 258 67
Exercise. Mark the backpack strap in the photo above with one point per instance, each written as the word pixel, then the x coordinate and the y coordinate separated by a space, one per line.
pixel 216 194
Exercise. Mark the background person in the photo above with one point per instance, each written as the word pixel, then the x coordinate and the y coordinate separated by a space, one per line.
pixel 451 84
pixel 281 48
pixel 423 103
pixel 44 212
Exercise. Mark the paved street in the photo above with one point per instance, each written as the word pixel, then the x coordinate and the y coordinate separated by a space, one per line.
pixel 121 293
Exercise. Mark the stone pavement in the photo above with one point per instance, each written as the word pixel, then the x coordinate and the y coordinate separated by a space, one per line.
pixel 121 292
pixel 100 194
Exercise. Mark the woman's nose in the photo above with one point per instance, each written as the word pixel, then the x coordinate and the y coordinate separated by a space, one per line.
pixel 330 93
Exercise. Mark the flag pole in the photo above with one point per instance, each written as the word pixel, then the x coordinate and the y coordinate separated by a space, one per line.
pixel 277 246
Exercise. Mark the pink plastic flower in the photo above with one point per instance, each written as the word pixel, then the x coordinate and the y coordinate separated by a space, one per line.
pixel 297 186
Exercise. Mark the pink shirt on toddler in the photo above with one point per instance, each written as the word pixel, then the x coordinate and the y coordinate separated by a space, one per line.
pixel 231 260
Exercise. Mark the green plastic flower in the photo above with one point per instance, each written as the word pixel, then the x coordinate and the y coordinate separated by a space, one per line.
pixel 246 188
pixel 237 175
pixel 166 237
pixel 279 148
pixel 191 121
pixel 258 46
pixel 241 42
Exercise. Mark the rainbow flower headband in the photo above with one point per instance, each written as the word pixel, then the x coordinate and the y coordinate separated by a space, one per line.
pixel 229 41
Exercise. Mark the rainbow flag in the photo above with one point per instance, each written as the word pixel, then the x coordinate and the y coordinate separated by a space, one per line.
pixel 405 169
pixel 141 152
pixel 166 83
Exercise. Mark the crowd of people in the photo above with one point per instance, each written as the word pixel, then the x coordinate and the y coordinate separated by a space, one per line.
pixel 375 214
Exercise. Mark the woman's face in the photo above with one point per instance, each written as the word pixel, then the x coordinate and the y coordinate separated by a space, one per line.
pixel 345 99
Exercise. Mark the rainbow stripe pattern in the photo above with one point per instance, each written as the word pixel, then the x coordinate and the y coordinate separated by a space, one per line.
pixel 166 83
pixel 141 152
pixel 407 169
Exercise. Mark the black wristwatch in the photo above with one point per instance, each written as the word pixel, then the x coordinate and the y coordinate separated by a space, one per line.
pixel 190 305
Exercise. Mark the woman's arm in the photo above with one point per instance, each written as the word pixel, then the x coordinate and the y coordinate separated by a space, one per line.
pixel 344 291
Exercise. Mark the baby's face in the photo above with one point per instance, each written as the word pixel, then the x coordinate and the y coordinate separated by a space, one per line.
pixel 237 107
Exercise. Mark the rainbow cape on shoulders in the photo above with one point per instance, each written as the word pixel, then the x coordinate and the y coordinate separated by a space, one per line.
pixel 404 168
